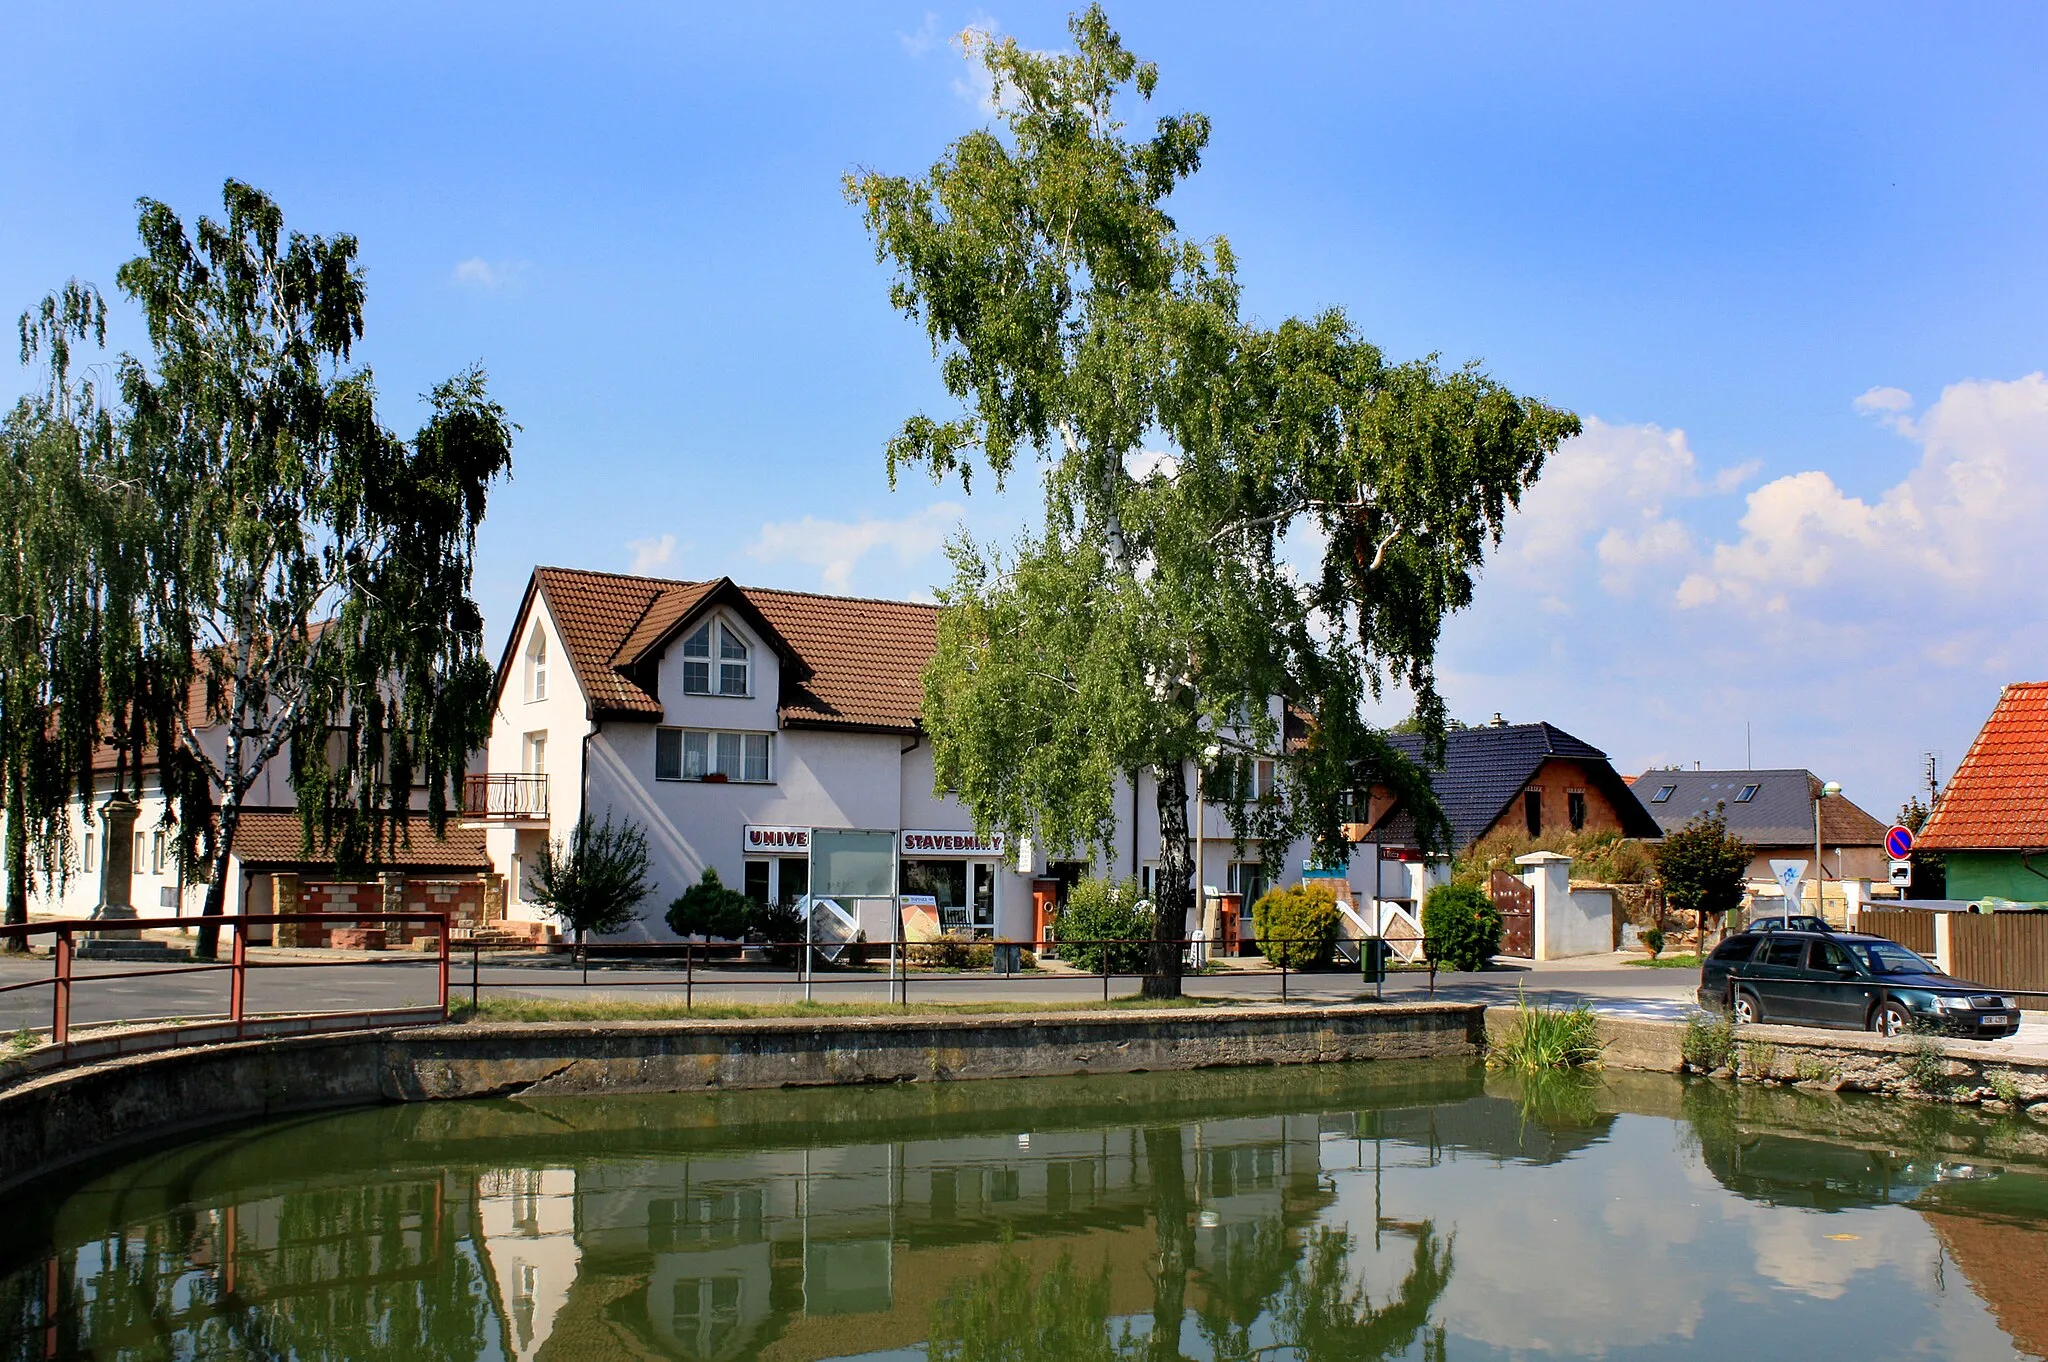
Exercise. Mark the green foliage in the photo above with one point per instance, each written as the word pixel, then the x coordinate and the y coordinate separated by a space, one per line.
pixel 1152 617
pixel 1708 1041
pixel 1109 911
pixel 1005 1314
pixel 1653 941
pixel 953 950
pixel 1605 856
pixel 596 881
pixel 1462 926
pixel 1542 1037
pixel 707 908
pixel 1297 924
pixel 1702 867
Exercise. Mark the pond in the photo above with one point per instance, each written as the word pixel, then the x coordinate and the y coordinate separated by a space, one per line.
pixel 1351 1212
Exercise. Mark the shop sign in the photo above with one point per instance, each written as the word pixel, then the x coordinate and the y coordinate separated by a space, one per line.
pixel 778 839
pixel 926 842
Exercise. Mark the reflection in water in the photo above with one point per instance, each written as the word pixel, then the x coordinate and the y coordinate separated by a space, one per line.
pixel 1359 1212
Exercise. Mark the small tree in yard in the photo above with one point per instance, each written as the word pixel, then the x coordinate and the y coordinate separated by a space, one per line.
pixel 1703 868
pixel 1107 912
pixel 1462 926
pixel 707 908
pixel 595 883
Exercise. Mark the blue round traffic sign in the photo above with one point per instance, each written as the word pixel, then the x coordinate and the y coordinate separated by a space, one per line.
pixel 1898 842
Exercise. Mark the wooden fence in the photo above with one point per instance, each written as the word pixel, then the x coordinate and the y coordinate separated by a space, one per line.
pixel 1912 928
pixel 2004 950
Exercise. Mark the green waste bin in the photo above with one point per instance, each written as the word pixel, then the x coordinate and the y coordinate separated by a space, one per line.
pixel 1372 959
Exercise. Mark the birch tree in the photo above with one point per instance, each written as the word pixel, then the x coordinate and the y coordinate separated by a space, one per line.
pixel 309 569
pixel 1154 617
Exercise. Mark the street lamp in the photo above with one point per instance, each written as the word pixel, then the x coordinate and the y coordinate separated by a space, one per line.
pixel 1820 902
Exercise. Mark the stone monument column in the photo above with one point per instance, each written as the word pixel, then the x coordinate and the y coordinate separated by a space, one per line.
pixel 117 864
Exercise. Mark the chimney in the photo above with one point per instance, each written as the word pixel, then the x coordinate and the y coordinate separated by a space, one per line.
pixel 1496 721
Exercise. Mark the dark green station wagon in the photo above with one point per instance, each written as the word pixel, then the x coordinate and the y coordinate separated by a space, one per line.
pixel 1848 980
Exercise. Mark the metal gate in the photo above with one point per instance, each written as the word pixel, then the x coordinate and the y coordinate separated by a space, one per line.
pixel 1517 904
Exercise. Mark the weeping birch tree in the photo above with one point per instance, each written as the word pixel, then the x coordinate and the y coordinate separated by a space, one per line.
pixel 310 569
pixel 1240 522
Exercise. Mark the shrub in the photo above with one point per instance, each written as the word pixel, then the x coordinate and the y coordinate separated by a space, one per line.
pixel 954 950
pixel 1113 911
pixel 1708 1041
pixel 708 908
pixel 780 923
pixel 1297 924
pixel 1653 941
pixel 1462 925
pixel 1546 1038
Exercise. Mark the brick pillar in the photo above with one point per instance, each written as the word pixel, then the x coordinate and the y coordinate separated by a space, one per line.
pixel 391 896
pixel 493 909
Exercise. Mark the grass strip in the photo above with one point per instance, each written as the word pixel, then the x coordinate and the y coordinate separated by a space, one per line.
pixel 518 1009
pixel 1666 962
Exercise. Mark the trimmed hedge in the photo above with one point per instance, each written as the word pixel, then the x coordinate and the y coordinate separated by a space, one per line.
pixel 1298 924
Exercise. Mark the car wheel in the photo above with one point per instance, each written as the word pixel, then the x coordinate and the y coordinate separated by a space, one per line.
pixel 1747 1012
pixel 1890 1020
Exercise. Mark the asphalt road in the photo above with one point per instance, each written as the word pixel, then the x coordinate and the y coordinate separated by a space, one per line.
pixel 111 991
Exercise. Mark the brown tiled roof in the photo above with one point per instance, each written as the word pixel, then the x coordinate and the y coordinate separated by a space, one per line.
pixel 273 837
pixel 1998 796
pixel 859 662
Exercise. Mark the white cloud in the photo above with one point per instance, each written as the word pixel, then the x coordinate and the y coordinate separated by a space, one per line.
pixel 651 553
pixel 490 276
pixel 836 547
pixel 1146 462
pixel 1884 400
pixel 976 86
pixel 926 37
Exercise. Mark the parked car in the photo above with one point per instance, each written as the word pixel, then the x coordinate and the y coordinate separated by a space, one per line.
pixel 1798 922
pixel 1848 980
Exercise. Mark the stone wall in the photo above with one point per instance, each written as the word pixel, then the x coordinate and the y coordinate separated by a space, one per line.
pixel 77 1113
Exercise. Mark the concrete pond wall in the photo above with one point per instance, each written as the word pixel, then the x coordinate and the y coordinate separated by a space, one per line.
pixel 84 1112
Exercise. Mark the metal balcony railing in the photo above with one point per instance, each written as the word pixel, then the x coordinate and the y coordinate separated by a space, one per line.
pixel 509 798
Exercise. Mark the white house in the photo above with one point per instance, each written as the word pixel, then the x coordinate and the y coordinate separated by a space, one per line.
pixel 730 721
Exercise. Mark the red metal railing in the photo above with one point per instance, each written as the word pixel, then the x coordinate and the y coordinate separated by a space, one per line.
pixel 64 979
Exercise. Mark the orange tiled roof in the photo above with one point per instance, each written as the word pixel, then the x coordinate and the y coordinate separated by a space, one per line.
pixel 1998 796
pixel 273 837
pixel 859 663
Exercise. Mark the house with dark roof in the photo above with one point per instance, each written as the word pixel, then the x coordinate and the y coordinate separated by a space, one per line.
pixel 1773 810
pixel 1991 823
pixel 731 720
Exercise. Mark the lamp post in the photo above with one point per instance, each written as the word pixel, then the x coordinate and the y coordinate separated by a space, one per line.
pixel 1827 791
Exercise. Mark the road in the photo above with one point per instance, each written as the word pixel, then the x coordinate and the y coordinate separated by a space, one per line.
pixel 111 991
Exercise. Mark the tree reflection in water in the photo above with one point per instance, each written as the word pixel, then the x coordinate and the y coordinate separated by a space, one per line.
pixel 1269 1280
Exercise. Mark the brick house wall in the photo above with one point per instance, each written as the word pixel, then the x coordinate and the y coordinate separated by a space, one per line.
pixel 1556 781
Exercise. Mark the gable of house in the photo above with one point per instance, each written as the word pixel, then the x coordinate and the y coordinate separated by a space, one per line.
pixel 1997 800
pixel 1487 771
pixel 847 663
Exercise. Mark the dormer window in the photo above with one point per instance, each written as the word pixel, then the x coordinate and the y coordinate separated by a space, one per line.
pixel 733 660
pixel 537 665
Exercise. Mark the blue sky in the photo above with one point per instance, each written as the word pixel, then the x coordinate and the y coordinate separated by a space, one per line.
pixel 1791 264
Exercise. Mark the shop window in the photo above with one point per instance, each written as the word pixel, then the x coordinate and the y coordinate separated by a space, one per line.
pixel 1575 806
pixel 694 754
pixel 757 881
pixel 1532 811
pixel 793 879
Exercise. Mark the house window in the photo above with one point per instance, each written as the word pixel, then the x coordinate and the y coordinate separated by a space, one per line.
pixel 537 665
pixel 1148 878
pixel 141 853
pixel 1263 773
pixel 1664 792
pixel 1532 811
pixel 537 754
pixel 1747 793
pixel 88 851
pixel 1575 806
pixel 159 852
pixel 732 660
pixel 694 754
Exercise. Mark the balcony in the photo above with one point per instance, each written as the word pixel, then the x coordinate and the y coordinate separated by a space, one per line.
pixel 504 799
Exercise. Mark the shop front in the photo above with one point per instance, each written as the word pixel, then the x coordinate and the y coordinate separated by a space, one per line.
pixel 961 872
pixel 778 863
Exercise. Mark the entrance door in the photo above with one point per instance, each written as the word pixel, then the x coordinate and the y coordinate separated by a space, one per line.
pixel 1517 904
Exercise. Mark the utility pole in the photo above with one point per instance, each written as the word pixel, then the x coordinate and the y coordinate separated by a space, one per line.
pixel 1932 787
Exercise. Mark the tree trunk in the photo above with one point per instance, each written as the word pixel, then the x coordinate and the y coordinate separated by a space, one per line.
pixel 1175 1238
pixel 1172 896
pixel 17 863
pixel 215 903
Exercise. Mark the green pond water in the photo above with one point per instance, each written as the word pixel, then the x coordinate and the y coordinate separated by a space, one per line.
pixel 1340 1212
